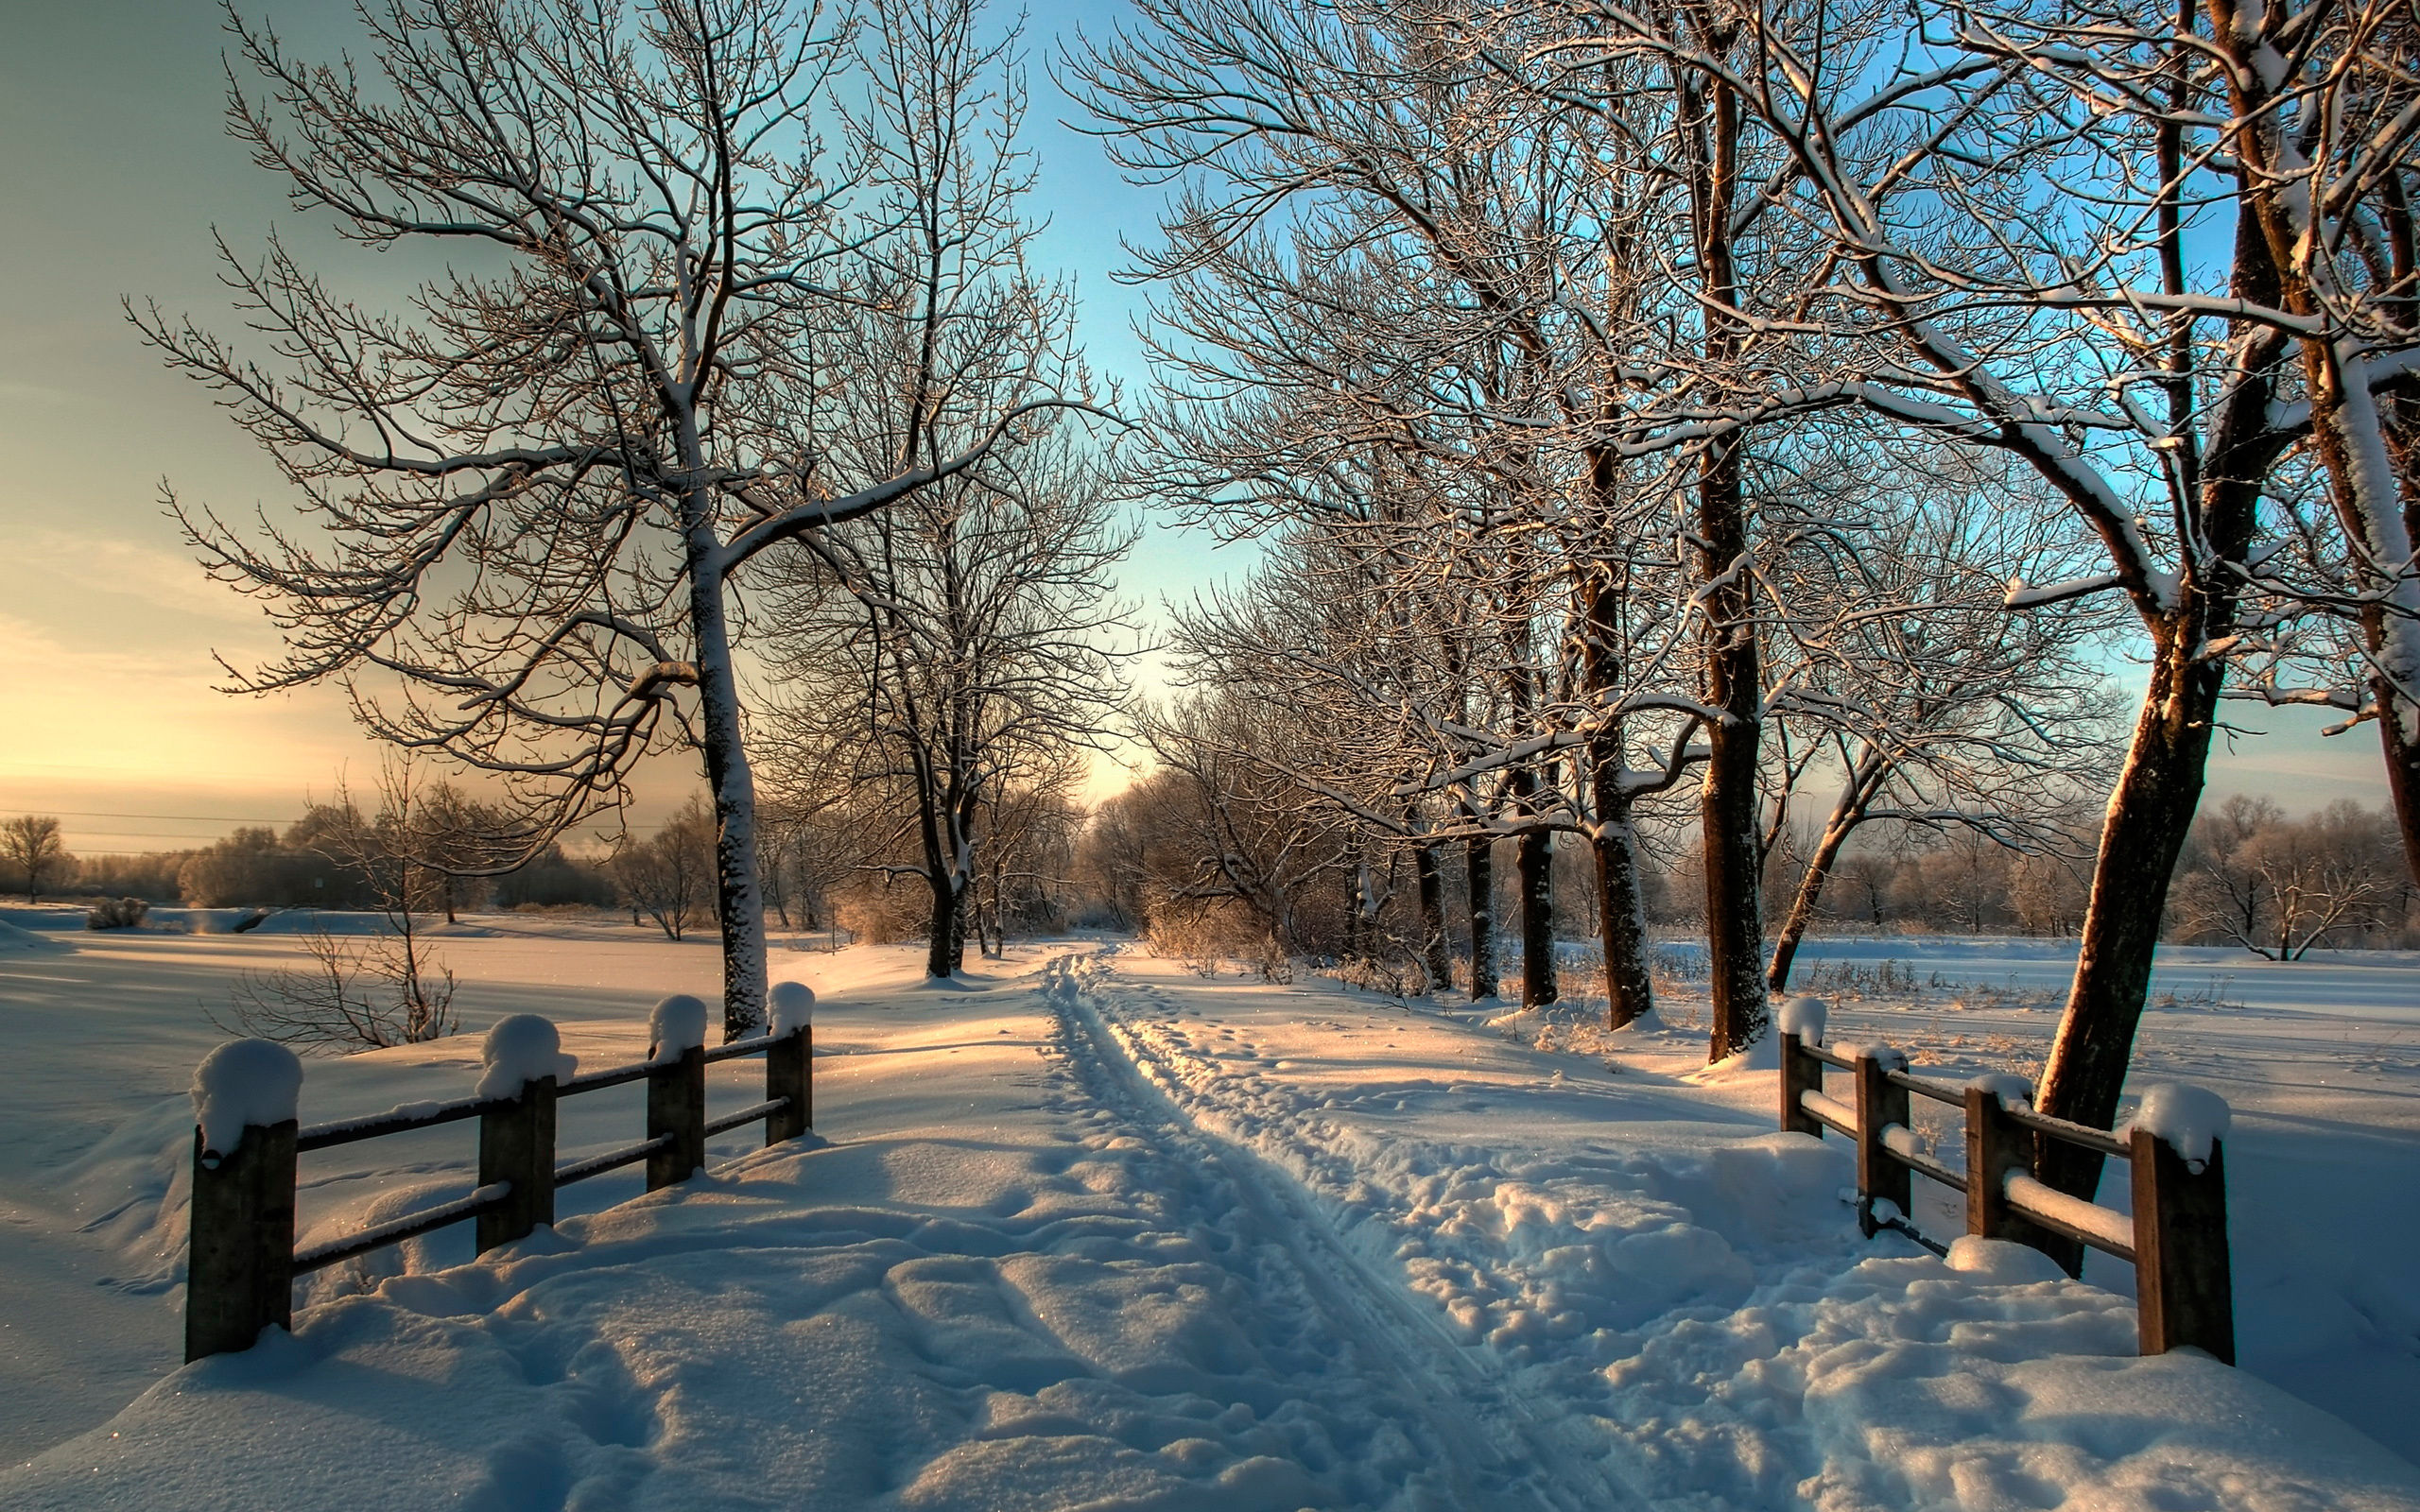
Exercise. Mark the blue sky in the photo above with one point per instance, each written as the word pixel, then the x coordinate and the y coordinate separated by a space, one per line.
pixel 115 170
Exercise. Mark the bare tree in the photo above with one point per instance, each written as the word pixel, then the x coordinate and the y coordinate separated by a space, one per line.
pixel 386 990
pixel 668 876
pixel 2279 887
pixel 531 498
pixel 1897 668
pixel 30 842
pixel 946 654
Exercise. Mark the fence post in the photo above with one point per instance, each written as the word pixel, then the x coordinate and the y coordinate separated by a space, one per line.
pixel 676 1104
pixel 1800 1073
pixel 239 1265
pixel 1880 1178
pixel 789 1073
pixel 1996 1146
pixel 2184 1285
pixel 518 1144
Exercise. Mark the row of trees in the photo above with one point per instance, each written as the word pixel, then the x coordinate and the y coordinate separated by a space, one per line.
pixel 1632 395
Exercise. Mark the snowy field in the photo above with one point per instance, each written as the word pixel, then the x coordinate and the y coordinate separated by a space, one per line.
pixel 1098 1233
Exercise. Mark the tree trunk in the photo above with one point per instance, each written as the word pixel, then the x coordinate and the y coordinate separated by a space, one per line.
pixel 941 944
pixel 2161 784
pixel 740 898
pixel 1479 858
pixel 1534 864
pixel 2403 780
pixel 1621 904
pixel 2149 815
pixel 1847 813
pixel 1434 953
pixel 1727 806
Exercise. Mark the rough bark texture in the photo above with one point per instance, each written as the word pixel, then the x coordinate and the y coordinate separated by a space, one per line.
pixel 1727 805
pixel 2402 774
pixel 1436 954
pixel 740 903
pixel 1478 856
pixel 1621 902
pixel 944 939
pixel 1534 862
pixel 2149 813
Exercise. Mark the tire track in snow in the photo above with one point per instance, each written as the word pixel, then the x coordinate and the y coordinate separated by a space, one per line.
pixel 1492 1446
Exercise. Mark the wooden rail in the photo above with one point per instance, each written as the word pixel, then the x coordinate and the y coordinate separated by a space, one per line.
pixel 241 1260
pixel 2176 1239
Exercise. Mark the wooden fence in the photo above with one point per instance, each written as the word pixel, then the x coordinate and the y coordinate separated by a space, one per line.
pixel 241 1262
pixel 2176 1239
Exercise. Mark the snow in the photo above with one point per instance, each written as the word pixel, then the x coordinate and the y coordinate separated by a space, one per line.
pixel 1831 1108
pixel 2041 1200
pixel 1099 1232
pixel 1804 1016
pixel 2188 1119
pixel 243 1083
pixel 793 1007
pixel 15 938
pixel 2014 1093
pixel 523 1048
pixel 675 1027
pixel 2011 1264
pixel 1890 1057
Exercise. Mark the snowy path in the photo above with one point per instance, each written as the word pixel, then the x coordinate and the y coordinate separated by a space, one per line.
pixel 1485 1447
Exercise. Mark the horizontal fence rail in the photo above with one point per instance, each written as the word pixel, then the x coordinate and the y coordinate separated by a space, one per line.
pixel 241 1260
pixel 2176 1237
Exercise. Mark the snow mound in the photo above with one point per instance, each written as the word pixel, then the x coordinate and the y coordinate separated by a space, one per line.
pixel 522 1047
pixel 1999 1261
pixel 675 1027
pixel 793 1007
pixel 242 1083
pixel 2188 1118
pixel 15 938
pixel 1805 1017
pixel 1763 1054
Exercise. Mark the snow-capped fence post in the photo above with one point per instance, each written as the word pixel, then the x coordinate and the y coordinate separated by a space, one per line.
pixel 239 1256
pixel 789 1062
pixel 2184 1285
pixel 1799 1075
pixel 1881 1105
pixel 1997 1146
pixel 517 1146
pixel 1802 1022
pixel 239 1270
pixel 525 1065
pixel 676 1091
pixel 676 1112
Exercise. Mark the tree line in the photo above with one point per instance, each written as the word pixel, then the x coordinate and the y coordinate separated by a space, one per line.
pixel 1647 418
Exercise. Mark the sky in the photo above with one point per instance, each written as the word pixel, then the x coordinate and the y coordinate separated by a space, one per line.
pixel 115 173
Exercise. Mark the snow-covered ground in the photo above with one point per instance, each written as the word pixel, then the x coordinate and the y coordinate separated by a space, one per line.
pixel 1099 1232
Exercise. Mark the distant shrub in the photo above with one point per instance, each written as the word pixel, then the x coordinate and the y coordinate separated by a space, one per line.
pixel 116 913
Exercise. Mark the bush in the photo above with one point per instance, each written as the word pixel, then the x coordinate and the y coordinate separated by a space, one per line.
pixel 116 913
